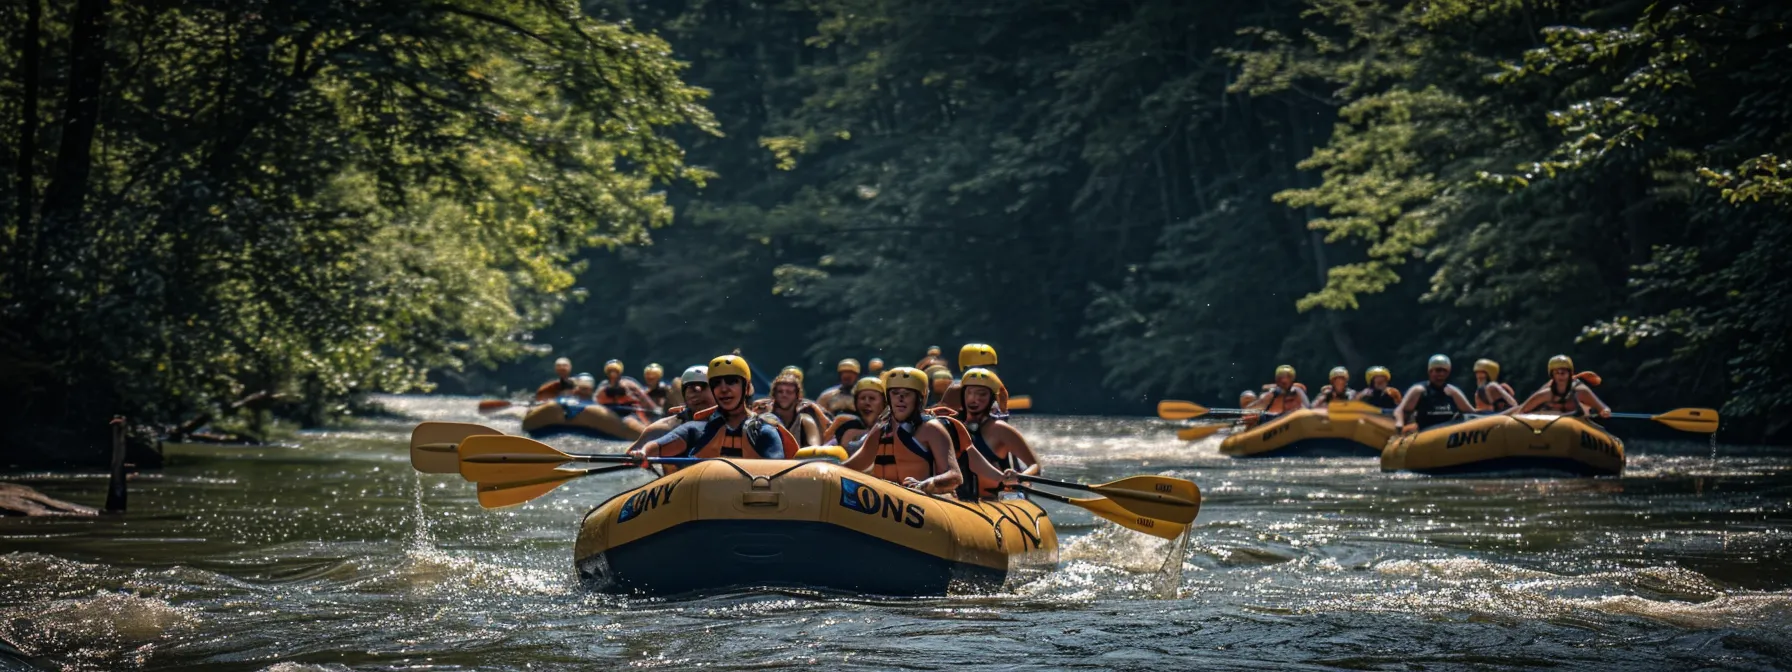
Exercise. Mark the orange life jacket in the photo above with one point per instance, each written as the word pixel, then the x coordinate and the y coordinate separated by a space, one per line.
pixel 607 398
pixel 717 440
pixel 552 390
pixel 1563 403
pixel 974 487
pixel 900 455
pixel 1283 402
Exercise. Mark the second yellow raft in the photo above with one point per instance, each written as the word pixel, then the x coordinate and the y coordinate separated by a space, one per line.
pixel 1310 432
pixel 572 416
pixel 1498 443
pixel 727 523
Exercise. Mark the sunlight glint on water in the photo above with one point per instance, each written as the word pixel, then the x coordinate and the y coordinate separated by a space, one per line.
pixel 336 555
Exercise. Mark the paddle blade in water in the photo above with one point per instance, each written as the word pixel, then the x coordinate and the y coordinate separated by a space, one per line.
pixel 1020 403
pixel 1170 409
pixel 514 493
pixel 1198 433
pixel 1172 499
pixel 1110 510
pixel 490 405
pixel 1696 420
pixel 433 445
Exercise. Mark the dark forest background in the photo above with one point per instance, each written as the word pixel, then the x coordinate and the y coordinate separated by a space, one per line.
pixel 1130 200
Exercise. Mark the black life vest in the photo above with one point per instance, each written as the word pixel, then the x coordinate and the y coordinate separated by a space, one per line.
pixel 972 489
pixel 1386 397
pixel 1435 407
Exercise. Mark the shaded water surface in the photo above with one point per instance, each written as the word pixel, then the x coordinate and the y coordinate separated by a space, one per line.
pixel 335 555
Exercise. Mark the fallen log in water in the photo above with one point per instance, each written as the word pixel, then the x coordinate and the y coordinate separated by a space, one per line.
pixel 18 500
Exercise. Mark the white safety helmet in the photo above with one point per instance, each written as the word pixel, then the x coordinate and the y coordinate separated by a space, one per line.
pixel 695 374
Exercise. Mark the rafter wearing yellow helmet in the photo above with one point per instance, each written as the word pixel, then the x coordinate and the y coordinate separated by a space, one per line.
pixel 1433 402
pixel 1281 397
pixel 838 399
pixel 909 446
pixel 1337 388
pixel 623 395
pixel 1379 393
pixel 1566 393
pixel 974 355
pixel 732 431
pixel 1491 395
pixel 1001 451
pixel 867 408
pixel 653 380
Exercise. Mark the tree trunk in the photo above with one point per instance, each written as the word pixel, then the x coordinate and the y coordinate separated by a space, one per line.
pixel 29 68
pixel 69 183
pixel 1334 322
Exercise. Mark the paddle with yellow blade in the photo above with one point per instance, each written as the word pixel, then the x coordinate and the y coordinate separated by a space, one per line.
pixel 1159 497
pixel 1170 409
pixel 1110 510
pixel 1020 403
pixel 433 445
pixel 1695 420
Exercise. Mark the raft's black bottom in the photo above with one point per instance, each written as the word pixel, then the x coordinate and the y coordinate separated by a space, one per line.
pixel 1503 465
pixel 715 555
pixel 1319 448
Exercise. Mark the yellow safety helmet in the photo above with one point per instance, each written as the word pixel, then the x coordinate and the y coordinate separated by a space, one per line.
pixel 906 378
pixel 1369 376
pixel 1560 362
pixel 868 383
pixel 653 369
pixel 1438 361
pixel 613 365
pixel 848 364
pixel 976 354
pixel 933 351
pixel 730 365
pixel 981 377
pixel 1488 366
pixel 1285 369
pixel 794 371
pixel 876 364
pixel 1339 372
pixel 938 373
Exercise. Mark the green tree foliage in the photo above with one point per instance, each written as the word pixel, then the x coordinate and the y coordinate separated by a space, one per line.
pixel 317 199
pixel 1134 199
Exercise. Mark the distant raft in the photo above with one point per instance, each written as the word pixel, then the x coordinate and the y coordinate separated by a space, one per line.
pixel 1313 432
pixel 573 416
pixel 1498 443
pixel 727 523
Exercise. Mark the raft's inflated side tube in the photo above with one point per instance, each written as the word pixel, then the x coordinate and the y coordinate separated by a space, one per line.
pixel 589 419
pixel 730 523
pixel 1311 432
pixel 1498 443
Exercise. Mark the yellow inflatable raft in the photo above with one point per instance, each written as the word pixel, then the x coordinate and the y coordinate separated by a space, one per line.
pixel 1311 432
pixel 726 523
pixel 571 416
pixel 1508 443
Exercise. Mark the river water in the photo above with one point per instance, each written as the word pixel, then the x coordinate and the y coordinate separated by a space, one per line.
pixel 335 555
